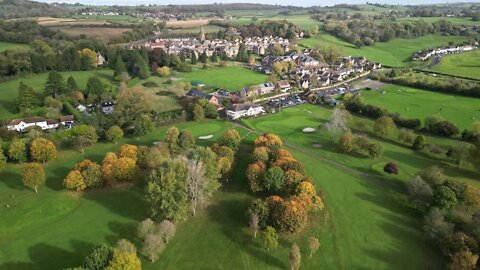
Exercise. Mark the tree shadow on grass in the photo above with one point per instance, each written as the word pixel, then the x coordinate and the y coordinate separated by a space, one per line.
pixel 12 180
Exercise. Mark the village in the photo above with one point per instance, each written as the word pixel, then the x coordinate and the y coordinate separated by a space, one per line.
pixel 427 54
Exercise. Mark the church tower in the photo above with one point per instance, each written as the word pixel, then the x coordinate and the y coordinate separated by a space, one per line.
pixel 202 35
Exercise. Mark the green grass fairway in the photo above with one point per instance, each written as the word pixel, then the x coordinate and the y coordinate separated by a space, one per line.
pixel 10 46
pixel 232 78
pixel 8 90
pixel 396 52
pixel 421 103
pixel 462 64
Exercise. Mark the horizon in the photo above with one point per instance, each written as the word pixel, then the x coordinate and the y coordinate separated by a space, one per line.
pixel 301 3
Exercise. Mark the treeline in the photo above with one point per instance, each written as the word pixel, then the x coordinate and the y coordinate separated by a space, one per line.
pixel 10 9
pixel 282 28
pixel 438 84
pixel 367 32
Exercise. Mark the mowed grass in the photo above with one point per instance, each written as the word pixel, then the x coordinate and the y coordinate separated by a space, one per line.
pixel 396 52
pixel 13 46
pixel 231 78
pixel 416 103
pixel 462 64
pixel 9 89
pixel 58 224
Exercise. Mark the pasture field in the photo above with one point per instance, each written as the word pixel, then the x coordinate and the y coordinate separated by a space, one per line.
pixel 187 24
pixel 302 20
pixel 462 64
pixel 196 30
pixel 416 103
pixel 454 20
pixel 104 32
pixel 106 17
pixel 13 46
pixel 396 52
pixel 231 78
pixel 8 90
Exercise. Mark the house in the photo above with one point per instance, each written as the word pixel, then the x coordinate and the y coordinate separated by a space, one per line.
pixel 100 59
pixel 81 108
pixel 265 88
pixel 283 86
pixel 196 93
pixel 237 111
pixel 108 107
pixel 67 120
pixel 20 125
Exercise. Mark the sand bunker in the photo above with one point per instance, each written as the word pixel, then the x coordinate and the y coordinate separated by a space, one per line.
pixel 206 137
pixel 308 130
pixel 317 145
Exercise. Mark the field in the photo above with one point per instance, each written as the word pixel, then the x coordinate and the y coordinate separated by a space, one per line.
pixel 462 64
pixel 196 30
pixel 232 78
pixel 454 20
pixel 303 21
pixel 186 24
pixel 51 21
pixel 104 32
pixel 416 103
pixel 13 46
pixel 8 90
pixel 396 52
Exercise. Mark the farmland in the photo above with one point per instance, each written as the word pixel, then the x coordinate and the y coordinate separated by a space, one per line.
pixel 232 78
pixel 463 64
pixel 104 32
pixel 411 103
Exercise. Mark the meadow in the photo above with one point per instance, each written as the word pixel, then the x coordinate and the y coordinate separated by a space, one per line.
pixel 13 46
pixel 8 89
pixel 103 32
pixel 455 20
pixel 302 20
pixel 396 52
pixel 416 103
pixel 462 64
pixel 231 78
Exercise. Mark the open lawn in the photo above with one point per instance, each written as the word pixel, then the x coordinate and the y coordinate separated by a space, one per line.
pixel 417 103
pixel 396 52
pixel 13 46
pixel 8 90
pixel 232 78
pixel 462 64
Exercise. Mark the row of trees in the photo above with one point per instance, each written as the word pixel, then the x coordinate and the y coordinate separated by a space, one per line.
pixel 451 216
pixel 292 194
pixel 39 150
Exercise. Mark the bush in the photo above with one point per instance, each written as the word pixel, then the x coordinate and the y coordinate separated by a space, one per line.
pixel 391 168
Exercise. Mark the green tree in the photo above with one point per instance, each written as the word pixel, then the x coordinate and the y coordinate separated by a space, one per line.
pixel 17 151
pixel 347 142
pixel 27 98
pixel 374 150
pixel 231 139
pixel 119 67
pixel 419 143
pixel 444 198
pixel 114 134
pixel 143 125
pixel 3 161
pixel 203 57
pixel 72 84
pixel 166 191
pixel 171 138
pixel 124 261
pixel 132 104
pixel 100 257
pixel 198 113
pixel 186 140
pixel 94 87
pixel 270 238
pixel 193 58
pixel 384 126
pixel 33 176
pixel 55 84
pixel 274 179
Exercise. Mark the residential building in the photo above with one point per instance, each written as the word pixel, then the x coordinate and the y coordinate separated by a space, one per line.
pixel 237 111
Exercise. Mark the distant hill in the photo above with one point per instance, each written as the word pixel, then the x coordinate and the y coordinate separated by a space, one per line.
pixel 10 9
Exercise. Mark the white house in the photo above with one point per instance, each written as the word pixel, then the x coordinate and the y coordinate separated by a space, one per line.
pixel 20 125
pixel 237 111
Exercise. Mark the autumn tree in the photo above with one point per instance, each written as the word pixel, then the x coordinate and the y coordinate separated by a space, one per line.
pixel 171 138
pixel 124 169
pixel 114 134
pixel 471 198
pixel 294 257
pixel 124 261
pixel 463 260
pixel 186 140
pixel 74 181
pixel 270 238
pixel 289 216
pixel 261 153
pixel 313 244
pixel 269 140
pixel 164 71
pixel 127 151
pixel 3 161
pixel 198 113
pixel 131 105
pixel 347 142
pixel 17 151
pixel 384 126
pixel 33 176
pixel 42 150
pixel 166 190
pixel 231 139
pixel 88 59
pixel 374 150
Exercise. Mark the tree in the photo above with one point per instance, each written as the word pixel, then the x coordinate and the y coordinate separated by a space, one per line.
pixel 289 216
pixel 198 113
pixel 270 238
pixel 119 67
pixel 231 139
pixel 435 225
pixel 166 191
pixel 471 198
pixel 406 135
pixel 88 59
pixel 125 246
pixel 27 98
pixel 294 257
pixel 254 224
pixel 186 140
pixel 203 57
pixel 128 151
pixel 391 168
pixel 419 143
pixel 167 229
pixel 94 87
pixel 458 153
pixel 91 173
pixel 17 151
pixel 313 244
pixel 43 150
pixel 384 126
pixel 193 58
pixel 254 173
pixel 114 134
pixel 444 198
pixel 100 257
pixel 74 181
pixel 164 71
pixel 144 228
pixel 131 105
pixel 338 122
pixel 84 135
pixel 196 184
pixel 374 150
pixel 33 176
pixel 55 84
pixel 463 260
pixel 123 169
pixel 261 154
pixel 433 175
pixel 124 261
pixel 153 245
pixel 314 30
pixel 274 179
pixel 347 142
pixel 172 138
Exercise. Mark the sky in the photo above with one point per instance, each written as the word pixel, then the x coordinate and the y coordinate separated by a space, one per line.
pixel 280 2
